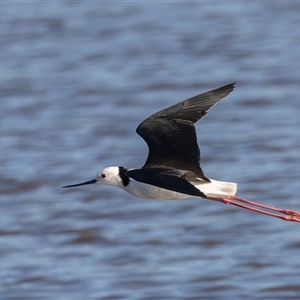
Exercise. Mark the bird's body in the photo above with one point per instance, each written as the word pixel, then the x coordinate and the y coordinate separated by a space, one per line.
pixel 172 169
pixel 213 188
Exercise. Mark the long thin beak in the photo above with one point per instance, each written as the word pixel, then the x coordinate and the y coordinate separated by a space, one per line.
pixel 83 183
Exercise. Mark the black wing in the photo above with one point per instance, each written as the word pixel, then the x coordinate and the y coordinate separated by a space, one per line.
pixel 170 133
pixel 170 179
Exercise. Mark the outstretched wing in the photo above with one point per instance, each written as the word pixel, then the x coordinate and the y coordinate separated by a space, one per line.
pixel 170 133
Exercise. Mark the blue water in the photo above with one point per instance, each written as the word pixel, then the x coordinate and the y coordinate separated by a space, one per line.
pixel 76 79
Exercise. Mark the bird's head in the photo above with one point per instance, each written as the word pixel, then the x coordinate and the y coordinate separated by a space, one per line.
pixel 107 176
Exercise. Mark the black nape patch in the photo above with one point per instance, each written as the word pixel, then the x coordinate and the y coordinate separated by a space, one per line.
pixel 125 179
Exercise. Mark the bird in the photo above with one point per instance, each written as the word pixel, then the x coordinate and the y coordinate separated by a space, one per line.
pixel 172 169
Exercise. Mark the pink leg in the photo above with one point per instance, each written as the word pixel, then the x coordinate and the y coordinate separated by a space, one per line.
pixel 287 215
pixel 283 211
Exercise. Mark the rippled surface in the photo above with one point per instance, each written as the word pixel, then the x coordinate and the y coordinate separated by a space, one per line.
pixel 76 80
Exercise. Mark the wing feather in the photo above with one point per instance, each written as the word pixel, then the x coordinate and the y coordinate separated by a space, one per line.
pixel 167 179
pixel 171 136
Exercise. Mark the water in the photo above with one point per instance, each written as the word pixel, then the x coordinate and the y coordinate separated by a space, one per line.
pixel 76 80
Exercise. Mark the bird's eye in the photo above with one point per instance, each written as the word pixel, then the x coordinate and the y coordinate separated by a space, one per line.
pixel 103 175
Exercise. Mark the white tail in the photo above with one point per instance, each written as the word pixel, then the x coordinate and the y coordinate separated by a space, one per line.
pixel 216 188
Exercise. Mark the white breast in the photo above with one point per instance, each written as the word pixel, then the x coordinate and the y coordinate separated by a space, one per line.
pixel 143 190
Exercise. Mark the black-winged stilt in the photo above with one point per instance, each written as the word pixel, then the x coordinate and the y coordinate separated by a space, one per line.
pixel 172 169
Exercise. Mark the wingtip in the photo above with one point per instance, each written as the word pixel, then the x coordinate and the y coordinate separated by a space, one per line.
pixel 228 87
pixel 231 85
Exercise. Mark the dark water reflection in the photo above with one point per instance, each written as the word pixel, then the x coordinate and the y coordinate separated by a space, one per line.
pixel 76 80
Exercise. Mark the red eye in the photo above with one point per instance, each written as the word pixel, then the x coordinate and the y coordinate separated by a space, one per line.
pixel 103 175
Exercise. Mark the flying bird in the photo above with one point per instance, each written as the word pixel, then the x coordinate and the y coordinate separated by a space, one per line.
pixel 172 169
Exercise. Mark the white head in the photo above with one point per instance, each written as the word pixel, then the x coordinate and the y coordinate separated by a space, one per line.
pixel 108 176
